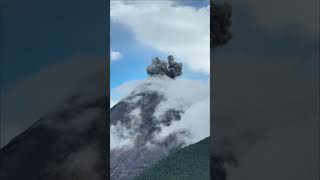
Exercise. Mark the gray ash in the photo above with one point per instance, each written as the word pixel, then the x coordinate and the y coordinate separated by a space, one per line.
pixel 171 68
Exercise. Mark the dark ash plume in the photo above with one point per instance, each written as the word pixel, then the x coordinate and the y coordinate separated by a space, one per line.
pixel 218 164
pixel 220 35
pixel 171 68
pixel 220 24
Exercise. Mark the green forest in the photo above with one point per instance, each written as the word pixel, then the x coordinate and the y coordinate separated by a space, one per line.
pixel 191 162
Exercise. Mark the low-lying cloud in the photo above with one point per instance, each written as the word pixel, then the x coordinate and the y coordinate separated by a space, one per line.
pixel 189 97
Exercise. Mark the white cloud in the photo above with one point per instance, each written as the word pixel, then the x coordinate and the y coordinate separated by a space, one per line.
pixel 196 120
pixel 190 96
pixel 121 137
pixel 115 55
pixel 182 31
pixel 123 90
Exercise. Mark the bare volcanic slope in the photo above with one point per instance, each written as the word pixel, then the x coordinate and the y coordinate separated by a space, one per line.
pixel 162 113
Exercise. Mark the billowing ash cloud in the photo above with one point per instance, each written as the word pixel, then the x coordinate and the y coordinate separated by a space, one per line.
pixel 220 24
pixel 171 68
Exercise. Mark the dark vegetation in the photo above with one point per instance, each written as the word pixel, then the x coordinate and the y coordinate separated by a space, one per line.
pixel 191 162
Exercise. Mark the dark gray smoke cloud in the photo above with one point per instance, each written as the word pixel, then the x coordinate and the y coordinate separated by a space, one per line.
pixel 220 35
pixel 220 24
pixel 171 68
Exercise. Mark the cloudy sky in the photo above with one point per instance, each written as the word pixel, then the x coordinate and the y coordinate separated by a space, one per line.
pixel 141 30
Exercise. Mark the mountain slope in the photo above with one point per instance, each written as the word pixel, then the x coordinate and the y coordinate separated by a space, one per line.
pixel 64 145
pixel 191 162
pixel 127 161
pixel 156 117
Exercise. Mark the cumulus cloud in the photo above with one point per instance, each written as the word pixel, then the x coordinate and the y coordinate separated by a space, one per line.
pixel 115 55
pixel 191 97
pixel 195 119
pixel 182 31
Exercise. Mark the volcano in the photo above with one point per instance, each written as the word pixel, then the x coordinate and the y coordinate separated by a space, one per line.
pixel 160 115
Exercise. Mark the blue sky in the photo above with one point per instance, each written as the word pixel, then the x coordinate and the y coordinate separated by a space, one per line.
pixel 135 58
pixel 136 55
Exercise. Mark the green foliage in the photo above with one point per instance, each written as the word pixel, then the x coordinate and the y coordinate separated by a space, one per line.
pixel 191 162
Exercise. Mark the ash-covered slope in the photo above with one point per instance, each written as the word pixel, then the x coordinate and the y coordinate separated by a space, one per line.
pixel 161 114
pixel 64 145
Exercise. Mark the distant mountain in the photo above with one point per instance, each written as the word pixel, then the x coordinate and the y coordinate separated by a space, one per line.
pixel 189 163
pixel 64 145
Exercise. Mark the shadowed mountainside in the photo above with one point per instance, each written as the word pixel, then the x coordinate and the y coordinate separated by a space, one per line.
pixel 64 145
pixel 191 162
